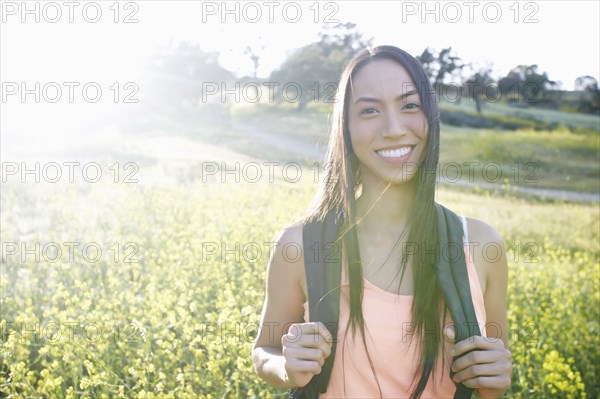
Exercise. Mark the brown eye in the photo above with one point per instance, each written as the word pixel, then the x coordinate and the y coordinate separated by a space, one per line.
pixel 368 111
pixel 412 106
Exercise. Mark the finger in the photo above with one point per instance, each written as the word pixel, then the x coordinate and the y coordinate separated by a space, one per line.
pixel 320 329
pixel 325 333
pixel 304 366
pixel 481 370
pixel 310 354
pixel 313 341
pixel 297 331
pixel 306 328
pixel 475 357
pixel 490 382
pixel 308 340
pixel 315 331
pixel 476 342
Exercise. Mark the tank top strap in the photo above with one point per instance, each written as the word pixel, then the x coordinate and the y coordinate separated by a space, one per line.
pixel 465 230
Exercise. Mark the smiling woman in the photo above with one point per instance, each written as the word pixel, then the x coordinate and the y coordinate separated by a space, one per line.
pixel 388 128
pixel 380 199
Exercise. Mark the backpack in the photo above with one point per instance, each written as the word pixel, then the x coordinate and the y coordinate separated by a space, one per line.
pixel 323 275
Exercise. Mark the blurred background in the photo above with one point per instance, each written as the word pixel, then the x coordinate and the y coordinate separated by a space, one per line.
pixel 152 150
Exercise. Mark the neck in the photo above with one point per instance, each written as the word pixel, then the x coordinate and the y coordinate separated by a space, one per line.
pixel 381 204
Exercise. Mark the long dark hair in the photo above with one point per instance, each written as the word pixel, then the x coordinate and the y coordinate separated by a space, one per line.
pixel 339 191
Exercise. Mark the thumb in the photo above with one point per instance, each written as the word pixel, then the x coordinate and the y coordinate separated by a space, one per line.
pixel 449 333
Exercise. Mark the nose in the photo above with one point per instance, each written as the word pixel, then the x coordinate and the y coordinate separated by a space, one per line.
pixel 394 126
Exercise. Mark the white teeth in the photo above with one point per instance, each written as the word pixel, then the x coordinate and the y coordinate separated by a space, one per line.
pixel 400 152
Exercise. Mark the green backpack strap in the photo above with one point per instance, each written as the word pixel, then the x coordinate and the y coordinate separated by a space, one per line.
pixel 323 268
pixel 453 278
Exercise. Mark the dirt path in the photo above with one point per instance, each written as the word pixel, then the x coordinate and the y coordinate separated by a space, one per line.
pixel 291 145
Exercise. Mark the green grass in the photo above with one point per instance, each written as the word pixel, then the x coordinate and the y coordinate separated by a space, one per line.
pixel 177 317
pixel 180 321
pixel 559 159
pixel 500 109
pixel 311 124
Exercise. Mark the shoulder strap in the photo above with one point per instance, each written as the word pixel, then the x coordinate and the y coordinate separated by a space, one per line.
pixel 323 268
pixel 322 262
pixel 453 278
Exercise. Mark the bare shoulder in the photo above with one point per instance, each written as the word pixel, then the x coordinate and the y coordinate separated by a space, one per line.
pixel 290 235
pixel 488 251
pixel 483 232
pixel 284 297
pixel 287 259
pixel 489 258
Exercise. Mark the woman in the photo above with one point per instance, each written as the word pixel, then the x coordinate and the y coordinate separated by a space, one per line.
pixel 384 150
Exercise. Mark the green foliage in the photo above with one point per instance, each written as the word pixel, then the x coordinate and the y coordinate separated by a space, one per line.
pixel 558 159
pixel 524 84
pixel 181 72
pixel 180 322
pixel 543 118
pixel 177 323
pixel 438 65
pixel 316 67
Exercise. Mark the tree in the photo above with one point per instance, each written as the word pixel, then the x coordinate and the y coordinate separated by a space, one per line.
pixel 255 53
pixel 427 59
pixel 311 73
pixel 448 63
pixel 510 86
pixel 478 84
pixel 344 38
pixel 525 83
pixel 586 82
pixel 439 66
pixel 589 101
pixel 178 73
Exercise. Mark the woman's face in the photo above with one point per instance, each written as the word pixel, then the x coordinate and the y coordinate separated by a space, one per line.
pixel 388 128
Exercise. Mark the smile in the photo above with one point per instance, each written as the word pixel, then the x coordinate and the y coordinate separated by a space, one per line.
pixel 396 153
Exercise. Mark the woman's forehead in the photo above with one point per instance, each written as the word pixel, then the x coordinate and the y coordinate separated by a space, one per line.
pixel 382 77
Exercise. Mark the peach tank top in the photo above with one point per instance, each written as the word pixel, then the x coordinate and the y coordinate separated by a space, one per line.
pixel 387 334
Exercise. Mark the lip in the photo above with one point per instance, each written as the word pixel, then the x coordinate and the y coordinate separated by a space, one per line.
pixel 396 160
pixel 396 147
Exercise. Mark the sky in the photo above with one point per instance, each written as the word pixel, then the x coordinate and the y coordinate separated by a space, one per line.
pixel 562 37
pixel 105 42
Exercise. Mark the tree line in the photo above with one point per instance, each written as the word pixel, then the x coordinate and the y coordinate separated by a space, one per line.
pixel 179 73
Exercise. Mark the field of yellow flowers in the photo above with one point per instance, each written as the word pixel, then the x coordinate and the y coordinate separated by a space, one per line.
pixel 153 291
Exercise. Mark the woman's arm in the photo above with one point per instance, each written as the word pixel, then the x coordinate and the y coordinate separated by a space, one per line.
pixel 287 353
pixel 489 367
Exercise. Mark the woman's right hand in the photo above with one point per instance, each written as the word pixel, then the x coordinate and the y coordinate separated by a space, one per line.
pixel 305 348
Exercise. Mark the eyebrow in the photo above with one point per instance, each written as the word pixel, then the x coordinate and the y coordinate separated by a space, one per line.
pixel 376 100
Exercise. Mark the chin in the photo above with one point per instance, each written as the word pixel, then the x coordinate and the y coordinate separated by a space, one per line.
pixel 405 174
pixel 397 176
pixel 405 179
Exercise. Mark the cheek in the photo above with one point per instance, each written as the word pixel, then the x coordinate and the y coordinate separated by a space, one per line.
pixel 358 136
pixel 420 127
pixel 358 144
pixel 353 141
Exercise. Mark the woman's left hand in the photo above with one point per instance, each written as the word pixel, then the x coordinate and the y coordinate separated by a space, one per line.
pixel 487 368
